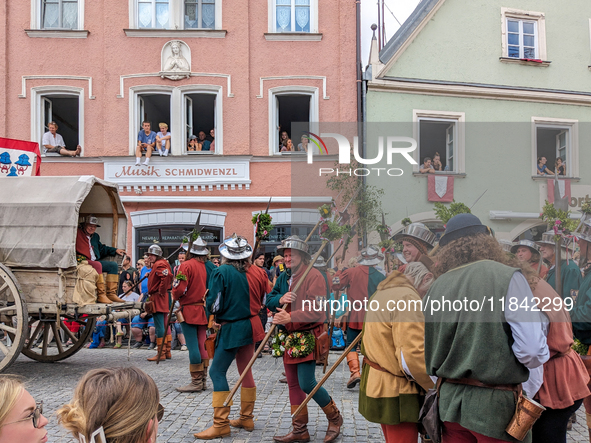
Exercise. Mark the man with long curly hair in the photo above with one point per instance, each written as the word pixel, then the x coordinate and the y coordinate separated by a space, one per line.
pixel 482 356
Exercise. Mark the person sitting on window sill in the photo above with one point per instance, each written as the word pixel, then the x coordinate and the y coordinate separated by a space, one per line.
pixel 542 168
pixel 146 140
pixel 426 167
pixel 163 140
pixel 437 165
pixel 53 142
pixel 560 167
pixel 287 145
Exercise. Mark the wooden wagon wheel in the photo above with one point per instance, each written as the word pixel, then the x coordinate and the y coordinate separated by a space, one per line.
pixel 45 339
pixel 13 318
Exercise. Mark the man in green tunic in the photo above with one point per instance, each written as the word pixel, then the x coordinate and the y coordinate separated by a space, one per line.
pixel 481 355
pixel 570 275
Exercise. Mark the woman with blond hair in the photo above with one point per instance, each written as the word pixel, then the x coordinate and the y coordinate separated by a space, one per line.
pixel 121 405
pixel 21 419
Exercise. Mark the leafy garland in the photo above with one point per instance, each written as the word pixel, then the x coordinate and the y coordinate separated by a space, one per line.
pixel 263 225
pixel 181 277
pixel 331 231
pixel 558 220
pixel 586 207
pixel 326 210
pixel 444 213
pixel 579 347
pixel 296 344
pixel 406 221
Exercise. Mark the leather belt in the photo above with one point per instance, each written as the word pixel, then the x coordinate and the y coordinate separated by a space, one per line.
pixel 373 364
pixel 194 304
pixel 516 389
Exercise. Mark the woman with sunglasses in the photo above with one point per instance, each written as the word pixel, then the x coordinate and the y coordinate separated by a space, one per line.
pixel 120 403
pixel 21 419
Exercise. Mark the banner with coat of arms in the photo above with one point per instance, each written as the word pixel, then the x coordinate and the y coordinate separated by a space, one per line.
pixel 19 158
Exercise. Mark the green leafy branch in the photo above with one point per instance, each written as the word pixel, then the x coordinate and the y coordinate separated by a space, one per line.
pixel 445 213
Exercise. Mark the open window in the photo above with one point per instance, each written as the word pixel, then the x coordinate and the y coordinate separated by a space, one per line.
pixel 63 109
pixel 200 116
pixel 154 108
pixel 289 110
pixel 438 137
pixel 553 143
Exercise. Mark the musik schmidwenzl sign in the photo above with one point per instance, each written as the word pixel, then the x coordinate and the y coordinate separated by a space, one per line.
pixel 169 171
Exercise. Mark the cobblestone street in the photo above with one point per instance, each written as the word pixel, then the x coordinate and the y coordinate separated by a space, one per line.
pixel 190 413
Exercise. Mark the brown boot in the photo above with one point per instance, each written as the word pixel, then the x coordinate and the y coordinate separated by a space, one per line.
pixel 353 362
pixel 196 384
pixel 168 343
pixel 299 433
pixel 205 366
pixel 101 291
pixel 221 424
pixel 112 286
pixel 247 398
pixel 335 421
pixel 159 344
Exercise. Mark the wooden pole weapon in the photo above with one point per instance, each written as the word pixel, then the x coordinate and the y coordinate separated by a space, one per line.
pixel 328 374
pixel 272 328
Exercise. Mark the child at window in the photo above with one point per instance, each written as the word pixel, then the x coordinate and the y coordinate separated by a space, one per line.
pixel 163 140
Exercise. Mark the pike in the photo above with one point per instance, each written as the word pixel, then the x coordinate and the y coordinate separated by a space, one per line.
pixel 474 204
pixel 328 374
pixel 196 230
pixel 560 204
pixel 383 237
pixel 257 241
pixel 273 326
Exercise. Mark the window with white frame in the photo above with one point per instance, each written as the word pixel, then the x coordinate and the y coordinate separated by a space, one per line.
pixel 556 147
pixel 59 14
pixel 440 138
pixel 524 35
pixel 293 111
pixel 177 14
pixel 65 109
pixel 294 16
pixel 187 110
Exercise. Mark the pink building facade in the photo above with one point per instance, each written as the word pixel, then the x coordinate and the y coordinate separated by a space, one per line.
pixel 243 69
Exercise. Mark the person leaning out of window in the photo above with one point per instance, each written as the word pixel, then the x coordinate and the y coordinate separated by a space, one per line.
pixel 542 168
pixel 560 166
pixel 437 165
pixel 426 167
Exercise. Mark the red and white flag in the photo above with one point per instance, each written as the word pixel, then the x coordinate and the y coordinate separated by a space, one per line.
pixel 440 188
pixel 563 189
pixel 19 158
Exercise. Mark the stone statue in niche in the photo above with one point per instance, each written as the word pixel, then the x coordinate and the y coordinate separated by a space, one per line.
pixel 176 60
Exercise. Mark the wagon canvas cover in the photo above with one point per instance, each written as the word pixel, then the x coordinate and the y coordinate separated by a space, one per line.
pixel 39 217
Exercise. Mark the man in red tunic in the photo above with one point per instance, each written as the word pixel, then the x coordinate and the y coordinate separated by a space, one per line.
pixel 189 289
pixel 361 281
pixel 159 282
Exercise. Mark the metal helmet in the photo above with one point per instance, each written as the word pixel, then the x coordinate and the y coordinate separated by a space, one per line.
pixel 370 256
pixel 320 263
pixel 506 245
pixel 548 240
pixel 583 231
pixel 418 231
pixel 155 250
pixel 535 249
pixel 91 220
pixel 235 248
pixel 199 247
pixel 294 242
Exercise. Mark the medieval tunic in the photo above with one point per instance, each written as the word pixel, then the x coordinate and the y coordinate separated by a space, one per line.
pixel 99 250
pixel 391 337
pixel 313 289
pixel 494 346
pixel 581 313
pixel 235 298
pixel 210 267
pixel 565 376
pixel 362 282
pixel 190 292
pixel 159 282
pixel 570 276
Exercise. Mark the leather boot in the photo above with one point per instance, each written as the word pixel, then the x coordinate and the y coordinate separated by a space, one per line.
pixel 353 362
pixel 335 421
pixel 168 346
pixel 112 286
pixel 205 366
pixel 299 433
pixel 101 291
pixel 196 384
pixel 221 424
pixel 159 344
pixel 247 398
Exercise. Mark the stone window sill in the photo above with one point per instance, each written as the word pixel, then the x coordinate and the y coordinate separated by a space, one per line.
pixel 451 174
pixel 293 37
pixel 176 33
pixel 551 177
pixel 528 62
pixel 57 33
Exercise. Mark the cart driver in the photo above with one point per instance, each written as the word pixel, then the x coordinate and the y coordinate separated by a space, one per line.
pixel 88 244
